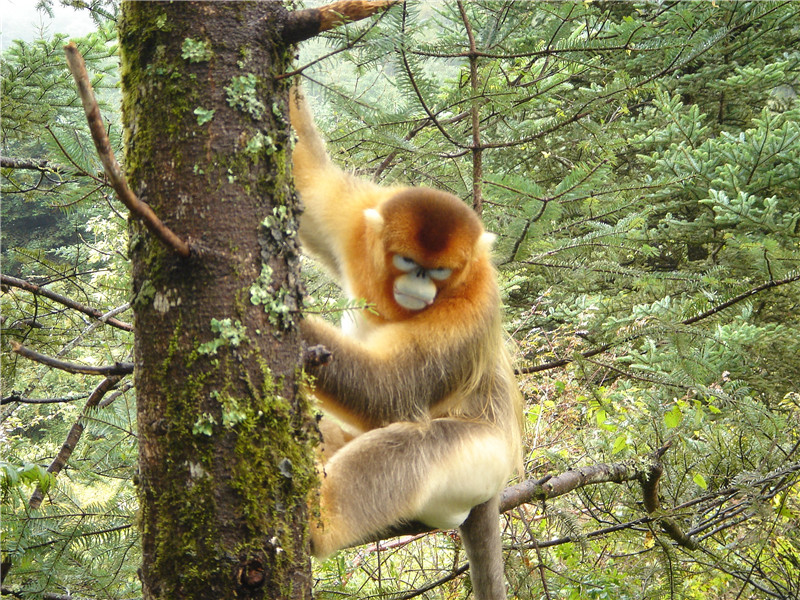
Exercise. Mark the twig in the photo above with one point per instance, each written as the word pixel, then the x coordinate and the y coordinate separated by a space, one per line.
pixel 74 436
pixel 110 165
pixel 420 126
pixel 119 368
pixel 35 289
pixel 304 24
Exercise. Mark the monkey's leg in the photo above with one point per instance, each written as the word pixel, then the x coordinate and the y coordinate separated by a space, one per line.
pixel 367 486
pixel 481 536
pixel 433 473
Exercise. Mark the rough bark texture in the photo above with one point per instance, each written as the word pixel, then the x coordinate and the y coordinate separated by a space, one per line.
pixel 225 463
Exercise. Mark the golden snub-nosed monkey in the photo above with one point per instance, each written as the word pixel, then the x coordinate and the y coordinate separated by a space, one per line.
pixel 423 382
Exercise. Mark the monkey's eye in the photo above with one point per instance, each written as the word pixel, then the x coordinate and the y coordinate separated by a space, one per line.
pixel 440 274
pixel 403 263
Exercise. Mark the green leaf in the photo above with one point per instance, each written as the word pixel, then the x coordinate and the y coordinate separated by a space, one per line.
pixel 620 444
pixel 673 418
pixel 700 480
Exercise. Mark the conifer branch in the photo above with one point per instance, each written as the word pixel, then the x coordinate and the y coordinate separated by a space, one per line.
pixel 113 171
pixel 433 118
pixel 690 321
pixel 68 302
pixel 74 436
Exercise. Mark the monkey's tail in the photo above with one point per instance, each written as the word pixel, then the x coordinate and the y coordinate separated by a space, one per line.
pixel 480 534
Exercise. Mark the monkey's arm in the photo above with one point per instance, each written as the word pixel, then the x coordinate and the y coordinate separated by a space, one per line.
pixel 334 200
pixel 372 385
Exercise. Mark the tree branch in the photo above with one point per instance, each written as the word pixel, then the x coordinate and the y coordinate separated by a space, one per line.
pixel 110 165
pixel 304 24
pixel 17 397
pixel 646 472
pixel 549 487
pixel 45 596
pixel 74 436
pixel 29 164
pixel 420 126
pixel 743 296
pixel 690 321
pixel 119 368
pixel 92 312
pixel 649 482
pixel 477 149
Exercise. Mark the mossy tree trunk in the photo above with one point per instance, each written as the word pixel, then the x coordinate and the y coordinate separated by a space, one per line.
pixel 226 457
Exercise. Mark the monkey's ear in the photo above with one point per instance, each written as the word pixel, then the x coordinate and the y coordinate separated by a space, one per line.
pixel 374 219
pixel 486 241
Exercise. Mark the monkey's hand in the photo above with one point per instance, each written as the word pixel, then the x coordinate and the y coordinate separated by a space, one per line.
pixel 316 356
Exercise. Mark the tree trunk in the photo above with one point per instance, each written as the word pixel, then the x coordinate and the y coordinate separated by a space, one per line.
pixel 226 440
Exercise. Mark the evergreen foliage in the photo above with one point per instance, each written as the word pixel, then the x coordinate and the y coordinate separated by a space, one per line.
pixel 641 165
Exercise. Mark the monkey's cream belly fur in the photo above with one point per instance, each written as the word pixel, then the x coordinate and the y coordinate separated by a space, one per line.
pixel 470 475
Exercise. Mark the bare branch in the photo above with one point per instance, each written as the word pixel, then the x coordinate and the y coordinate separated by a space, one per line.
pixel 17 397
pixel 74 435
pixel 110 165
pixel 304 24
pixel 120 368
pixel 68 302
pixel 553 486
pixel 29 164
pixel 743 296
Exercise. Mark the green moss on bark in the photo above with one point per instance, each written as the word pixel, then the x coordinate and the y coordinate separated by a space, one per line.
pixel 226 460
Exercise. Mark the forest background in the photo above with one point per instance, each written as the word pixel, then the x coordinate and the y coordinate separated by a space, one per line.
pixel 640 163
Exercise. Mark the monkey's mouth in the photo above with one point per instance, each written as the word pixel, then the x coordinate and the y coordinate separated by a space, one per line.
pixel 410 301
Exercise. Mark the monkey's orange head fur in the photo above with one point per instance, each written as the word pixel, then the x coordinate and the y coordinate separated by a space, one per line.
pixel 434 228
pixel 427 246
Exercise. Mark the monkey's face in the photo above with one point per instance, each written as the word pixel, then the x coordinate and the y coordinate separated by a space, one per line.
pixel 429 240
pixel 415 288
